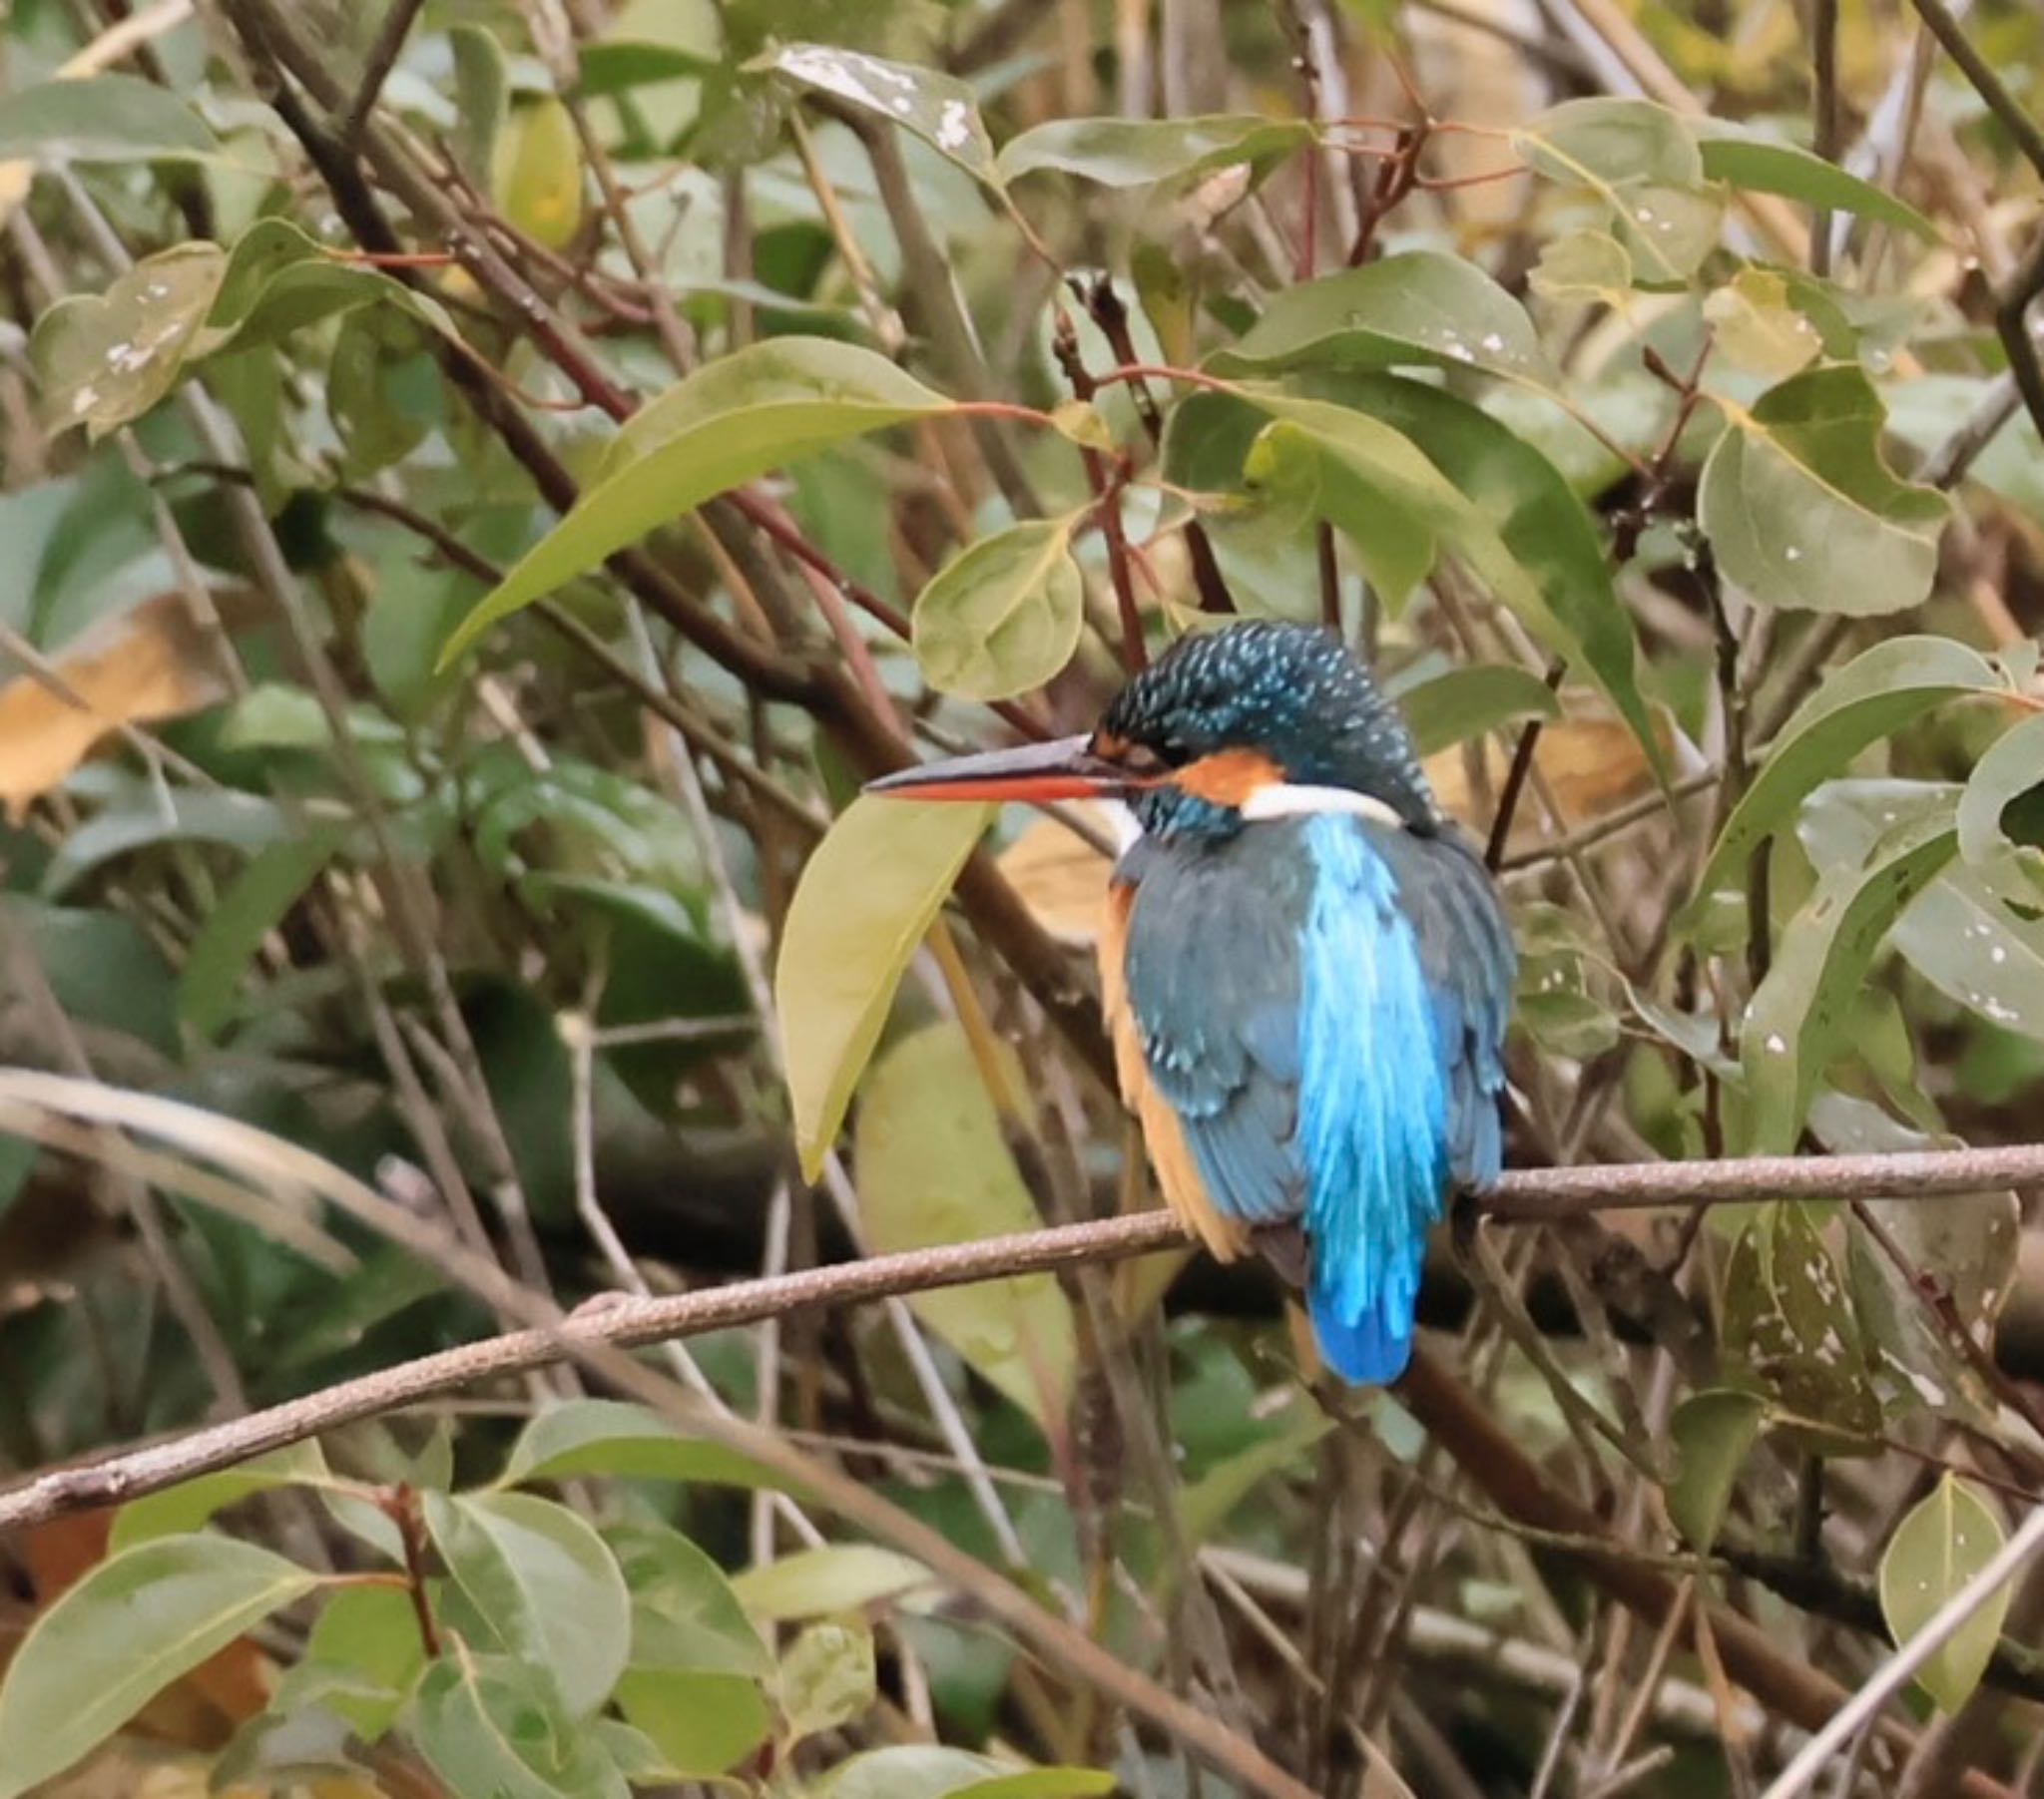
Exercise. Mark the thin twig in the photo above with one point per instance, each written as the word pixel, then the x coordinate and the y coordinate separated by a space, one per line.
pixel 383 55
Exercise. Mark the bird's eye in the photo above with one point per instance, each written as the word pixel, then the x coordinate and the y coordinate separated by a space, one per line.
pixel 1143 762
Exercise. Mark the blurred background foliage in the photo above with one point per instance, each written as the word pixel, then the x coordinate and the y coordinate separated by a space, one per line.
pixel 1647 389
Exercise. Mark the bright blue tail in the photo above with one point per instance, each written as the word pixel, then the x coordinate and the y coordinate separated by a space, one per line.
pixel 1370 1350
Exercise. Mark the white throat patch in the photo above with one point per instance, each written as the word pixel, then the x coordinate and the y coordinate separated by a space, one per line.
pixel 1284 799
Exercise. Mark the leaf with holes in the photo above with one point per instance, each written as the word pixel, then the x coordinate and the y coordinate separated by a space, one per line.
pixel 1801 510
pixel 1417 309
pixel 1787 1327
pixel 103 359
pixel 865 899
pixel 1946 1540
pixel 939 109
pixel 119 1637
pixel 935 1167
pixel 1002 615
pixel 1642 163
pixel 1800 1015
pixel 757 410
pixel 1871 697
pixel 1136 153
pixel 545 1584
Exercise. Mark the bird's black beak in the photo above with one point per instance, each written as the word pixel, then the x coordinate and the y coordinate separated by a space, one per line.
pixel 1065 769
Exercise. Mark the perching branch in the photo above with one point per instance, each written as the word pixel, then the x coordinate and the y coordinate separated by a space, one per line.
pixel 1522 1196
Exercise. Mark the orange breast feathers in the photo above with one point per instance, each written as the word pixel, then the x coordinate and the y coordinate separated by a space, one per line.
pixel 1163 1135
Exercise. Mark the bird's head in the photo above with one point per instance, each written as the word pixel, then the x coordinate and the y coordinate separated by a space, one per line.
pixel 1256 720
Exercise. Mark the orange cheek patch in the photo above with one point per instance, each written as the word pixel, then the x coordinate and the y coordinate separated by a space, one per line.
pixel 1229 776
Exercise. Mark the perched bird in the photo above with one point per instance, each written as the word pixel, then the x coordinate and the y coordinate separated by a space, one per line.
pixel 1306 967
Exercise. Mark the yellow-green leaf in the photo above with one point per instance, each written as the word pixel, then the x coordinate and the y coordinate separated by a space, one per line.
pixel 865 898
pixel 933 1168
pixel 839 1576
pixel 1003 616
pixel 122 1634
pixel 1940 1546
pixel 938 108
pixel 539 174
pixel 732 419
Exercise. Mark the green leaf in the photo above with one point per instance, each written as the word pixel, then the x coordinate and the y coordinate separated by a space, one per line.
pixel 1208 1503
pixel 1946 1540
pixel 546 1584
pixel 935 1167
pixel 490 1730
pixel 103 969
pixel 279 279
pixel 1135 153
pixel 180 1510
pixel 732 419
pixel 1713 1433
pixel 1973 933
pixel 253 905
pixel 1466 702
pixel 1800 1015
pixel 1419 307
pixel 867 896
pixel 827 1679
pixel 122 1634
pixel 1784 1321
pixel 482 94
pixel 939 109
pixel 1801 510
pixel 2012 766
pixel 1871 697
pixel 101 119
pixel 1732 153
pixel 1002 615
pixel 1541 523
pixel 836 1578
pixel 609 1437
pixel 685 1616
pixel 103 359
pixel 1642 163
pixel 701 1724
pixel 359 1662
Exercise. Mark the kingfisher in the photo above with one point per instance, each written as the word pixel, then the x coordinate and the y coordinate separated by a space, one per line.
pixel 1305 968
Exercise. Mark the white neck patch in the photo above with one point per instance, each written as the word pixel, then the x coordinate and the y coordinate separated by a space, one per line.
pixel 1285 799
